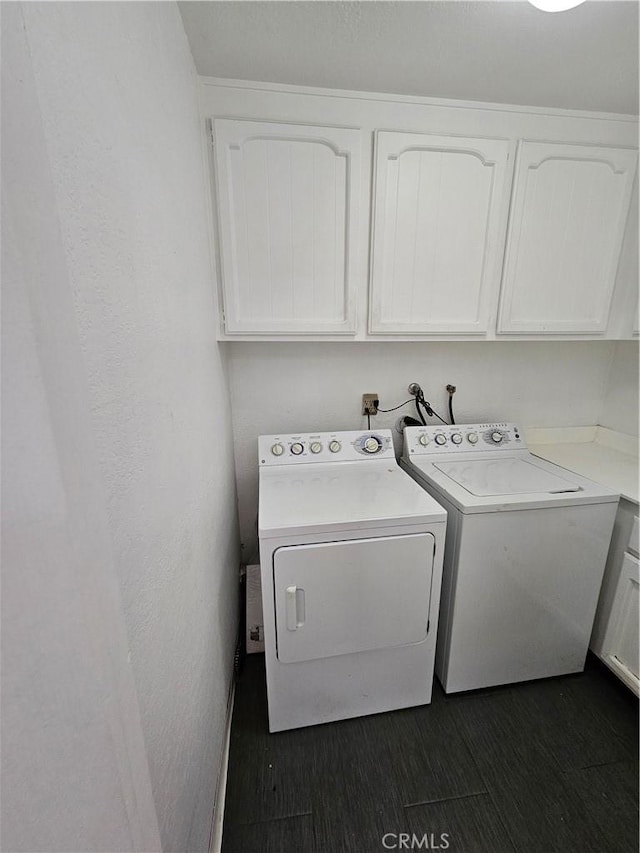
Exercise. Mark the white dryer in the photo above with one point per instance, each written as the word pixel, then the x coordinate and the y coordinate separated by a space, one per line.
pixel 526 548
pixel 351 556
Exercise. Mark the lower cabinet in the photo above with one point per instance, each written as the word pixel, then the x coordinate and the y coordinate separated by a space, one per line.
pixel 620 646
pixel 615 633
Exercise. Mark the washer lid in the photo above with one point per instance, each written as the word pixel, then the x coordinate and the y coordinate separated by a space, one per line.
pixel 505 476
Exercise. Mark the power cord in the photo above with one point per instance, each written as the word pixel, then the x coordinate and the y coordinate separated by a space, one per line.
pixel 419 401
pixel 429 410
pixel 451 390
pixel 395 407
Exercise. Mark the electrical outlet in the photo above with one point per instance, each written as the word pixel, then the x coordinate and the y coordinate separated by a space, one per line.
pixel 370 404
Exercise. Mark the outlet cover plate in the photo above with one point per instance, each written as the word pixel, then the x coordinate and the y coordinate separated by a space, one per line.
pixel 369 404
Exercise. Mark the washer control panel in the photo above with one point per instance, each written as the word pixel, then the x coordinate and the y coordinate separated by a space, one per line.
pixel 325 447
pixel 462 438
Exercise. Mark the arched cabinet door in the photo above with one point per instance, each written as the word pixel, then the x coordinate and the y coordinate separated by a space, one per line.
pixel 288 199
pixel 568 212
pixel 440 205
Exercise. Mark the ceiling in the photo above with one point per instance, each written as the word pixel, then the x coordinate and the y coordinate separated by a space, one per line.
pixel 503 51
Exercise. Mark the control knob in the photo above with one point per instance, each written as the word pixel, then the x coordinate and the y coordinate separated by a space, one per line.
pixel 316 447
pixel 472 437
pixel 371 445
pixel 297 448
pixel 496 437
pixel 424 439
pixel 277 449
pixel 456 438
pixel 440 438
pixel 334 446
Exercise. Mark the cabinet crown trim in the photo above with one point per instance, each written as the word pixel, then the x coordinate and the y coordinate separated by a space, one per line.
pixel 355 94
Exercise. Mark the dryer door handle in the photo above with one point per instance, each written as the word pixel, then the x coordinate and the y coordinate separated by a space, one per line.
pixel 295 607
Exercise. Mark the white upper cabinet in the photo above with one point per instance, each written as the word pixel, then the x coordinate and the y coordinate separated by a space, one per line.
pixel 438 233
pixel 360 216
pixel 568 213
pixel 289 226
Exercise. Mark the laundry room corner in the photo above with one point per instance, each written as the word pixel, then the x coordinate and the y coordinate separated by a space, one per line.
pixel 620 402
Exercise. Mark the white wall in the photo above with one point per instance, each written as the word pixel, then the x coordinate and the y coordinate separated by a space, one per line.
pixel 123 307
pixel 292 387
pixel 620 405
pixel 74 767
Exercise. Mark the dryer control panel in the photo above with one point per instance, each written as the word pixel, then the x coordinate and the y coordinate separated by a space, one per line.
pixel 348 446
pixel 462 438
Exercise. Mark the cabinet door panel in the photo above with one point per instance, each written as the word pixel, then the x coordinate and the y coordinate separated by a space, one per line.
pixel 288 199
pixel 438 219
pixel 568 213
pixel 620 645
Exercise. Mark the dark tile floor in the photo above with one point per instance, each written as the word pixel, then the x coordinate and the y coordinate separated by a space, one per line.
pixel 533 768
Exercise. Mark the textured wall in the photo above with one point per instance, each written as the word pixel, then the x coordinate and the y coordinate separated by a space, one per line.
pixel 75 775
pixel 620 404
pixel 508 52
pixel 117 93
pixel 296 386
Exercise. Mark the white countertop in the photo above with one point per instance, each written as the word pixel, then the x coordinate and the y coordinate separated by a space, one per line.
pixel 595 452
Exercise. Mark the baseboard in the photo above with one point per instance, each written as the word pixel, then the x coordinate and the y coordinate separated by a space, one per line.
pixel 221 788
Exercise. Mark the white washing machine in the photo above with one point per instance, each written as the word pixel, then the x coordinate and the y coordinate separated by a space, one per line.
pixel 526 548
pixel 351 556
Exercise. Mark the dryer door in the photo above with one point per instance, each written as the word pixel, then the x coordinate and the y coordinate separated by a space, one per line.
pixel 337 598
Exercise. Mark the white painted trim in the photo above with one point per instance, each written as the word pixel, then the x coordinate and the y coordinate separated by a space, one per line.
pixel 221 788
pixel 287 88
pixel 208 172
pixel 439 337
